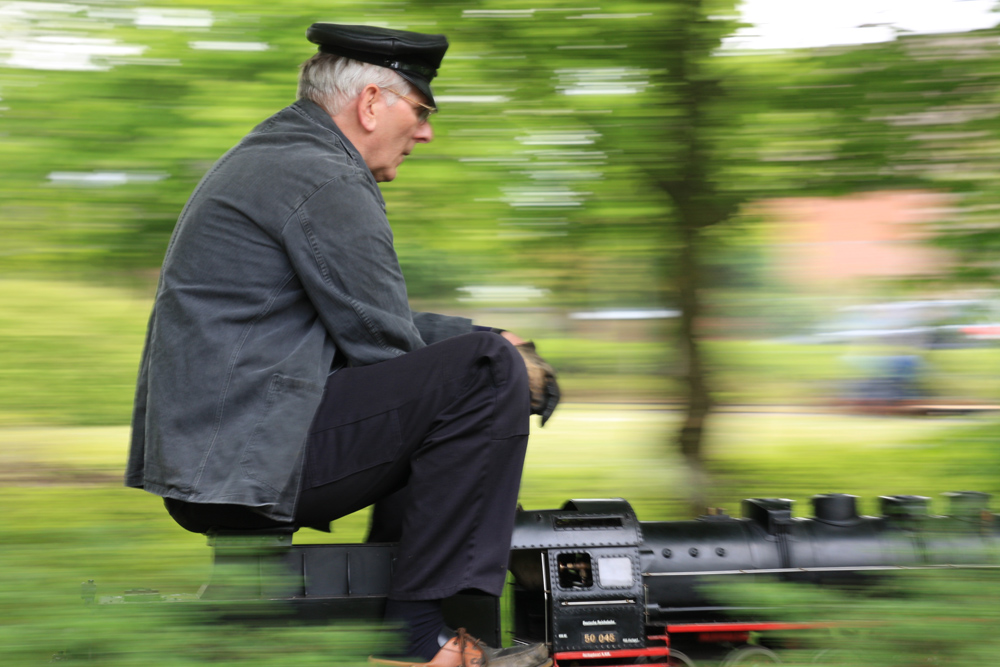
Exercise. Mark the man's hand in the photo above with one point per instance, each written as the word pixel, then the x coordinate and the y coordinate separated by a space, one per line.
pixel 513 338
pixel 541 380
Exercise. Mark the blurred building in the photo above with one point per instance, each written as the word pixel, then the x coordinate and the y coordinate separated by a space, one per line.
pixel 832 244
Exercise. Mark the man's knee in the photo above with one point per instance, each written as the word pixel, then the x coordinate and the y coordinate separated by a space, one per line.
pixel 510 381
pixel 493 368
pixel 506 364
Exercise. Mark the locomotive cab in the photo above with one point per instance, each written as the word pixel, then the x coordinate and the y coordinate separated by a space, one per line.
pixel 578 580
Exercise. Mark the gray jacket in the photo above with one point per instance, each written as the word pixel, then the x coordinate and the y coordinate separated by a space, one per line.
pixel 281 269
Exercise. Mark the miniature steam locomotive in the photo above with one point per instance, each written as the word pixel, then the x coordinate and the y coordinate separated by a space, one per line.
pixel 594 582
pixel 602 588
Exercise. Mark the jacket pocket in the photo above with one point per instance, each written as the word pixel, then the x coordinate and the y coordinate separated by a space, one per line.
pixel 273 452
pixel 344 450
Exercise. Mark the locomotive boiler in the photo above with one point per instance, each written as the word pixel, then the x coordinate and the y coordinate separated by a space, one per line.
pixel 600 587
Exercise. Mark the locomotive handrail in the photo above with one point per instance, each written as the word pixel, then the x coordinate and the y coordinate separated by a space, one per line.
pixel 730 626
pixel 791 570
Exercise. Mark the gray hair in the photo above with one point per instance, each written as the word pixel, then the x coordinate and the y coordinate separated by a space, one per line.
pixel 332 81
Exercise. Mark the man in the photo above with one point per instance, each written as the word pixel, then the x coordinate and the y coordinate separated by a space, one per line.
pixel 285 381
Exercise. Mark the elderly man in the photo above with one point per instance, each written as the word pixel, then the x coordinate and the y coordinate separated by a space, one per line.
pixel 285 381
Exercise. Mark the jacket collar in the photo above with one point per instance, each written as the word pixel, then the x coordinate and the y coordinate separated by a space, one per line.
pixel 318 115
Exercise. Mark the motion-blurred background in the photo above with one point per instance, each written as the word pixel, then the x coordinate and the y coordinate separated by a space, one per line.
pixel 760 242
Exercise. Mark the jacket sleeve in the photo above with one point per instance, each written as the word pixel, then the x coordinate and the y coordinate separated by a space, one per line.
pixel 340 246
pixel 435 328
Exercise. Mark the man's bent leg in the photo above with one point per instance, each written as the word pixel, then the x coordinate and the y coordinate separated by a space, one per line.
pixel 450 423
pixel 438 437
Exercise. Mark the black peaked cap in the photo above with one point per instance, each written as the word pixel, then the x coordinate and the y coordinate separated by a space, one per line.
pixel 414 56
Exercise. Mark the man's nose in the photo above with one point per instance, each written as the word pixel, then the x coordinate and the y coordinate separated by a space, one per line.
pixel 425 133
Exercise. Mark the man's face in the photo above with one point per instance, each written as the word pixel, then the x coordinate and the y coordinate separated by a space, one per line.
pixel 399 130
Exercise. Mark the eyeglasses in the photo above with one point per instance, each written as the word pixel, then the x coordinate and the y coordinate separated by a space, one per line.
pixel 426 110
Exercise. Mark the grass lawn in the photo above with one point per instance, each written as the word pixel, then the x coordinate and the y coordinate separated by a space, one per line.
pixel 69 354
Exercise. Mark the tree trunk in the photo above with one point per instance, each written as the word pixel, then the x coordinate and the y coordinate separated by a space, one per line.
pixel 699 401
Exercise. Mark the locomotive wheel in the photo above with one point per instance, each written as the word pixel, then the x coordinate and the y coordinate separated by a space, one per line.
pixel 750 656
pixel 678 659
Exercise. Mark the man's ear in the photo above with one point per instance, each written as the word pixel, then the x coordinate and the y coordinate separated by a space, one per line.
pixel 366 107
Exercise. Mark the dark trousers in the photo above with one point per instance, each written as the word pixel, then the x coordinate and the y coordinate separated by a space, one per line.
pixel 435 439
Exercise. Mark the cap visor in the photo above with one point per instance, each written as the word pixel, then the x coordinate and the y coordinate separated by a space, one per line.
pixel 420 84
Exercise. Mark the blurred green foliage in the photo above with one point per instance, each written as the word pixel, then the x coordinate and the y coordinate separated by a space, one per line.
pixel 559 128
pixel 947 617
pixel 541 175
pixel 68 520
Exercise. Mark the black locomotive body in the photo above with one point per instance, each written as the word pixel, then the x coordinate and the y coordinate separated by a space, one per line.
pixel 593 581
pixel 602 588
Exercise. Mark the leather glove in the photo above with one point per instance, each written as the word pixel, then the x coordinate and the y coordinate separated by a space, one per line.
pixel 541 381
